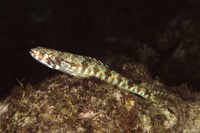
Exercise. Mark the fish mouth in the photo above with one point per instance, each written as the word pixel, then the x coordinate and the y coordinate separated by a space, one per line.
pixel 37 56
pixel 32 53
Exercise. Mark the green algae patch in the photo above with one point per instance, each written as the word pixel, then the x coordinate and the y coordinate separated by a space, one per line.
pixel 68 104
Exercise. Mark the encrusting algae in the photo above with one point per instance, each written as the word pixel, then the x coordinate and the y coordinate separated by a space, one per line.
pixel 69 104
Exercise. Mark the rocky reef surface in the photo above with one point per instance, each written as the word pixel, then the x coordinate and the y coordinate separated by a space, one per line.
pixel 67 104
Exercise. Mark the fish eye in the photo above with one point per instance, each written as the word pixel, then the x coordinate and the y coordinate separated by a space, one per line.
pixel 44 51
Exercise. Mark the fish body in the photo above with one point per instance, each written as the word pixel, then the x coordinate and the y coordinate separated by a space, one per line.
pixel 84 66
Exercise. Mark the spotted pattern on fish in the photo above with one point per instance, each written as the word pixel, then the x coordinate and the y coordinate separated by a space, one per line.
pixel 83 66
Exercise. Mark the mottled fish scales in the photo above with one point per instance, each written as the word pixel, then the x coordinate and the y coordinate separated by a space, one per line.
pixel 83 66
